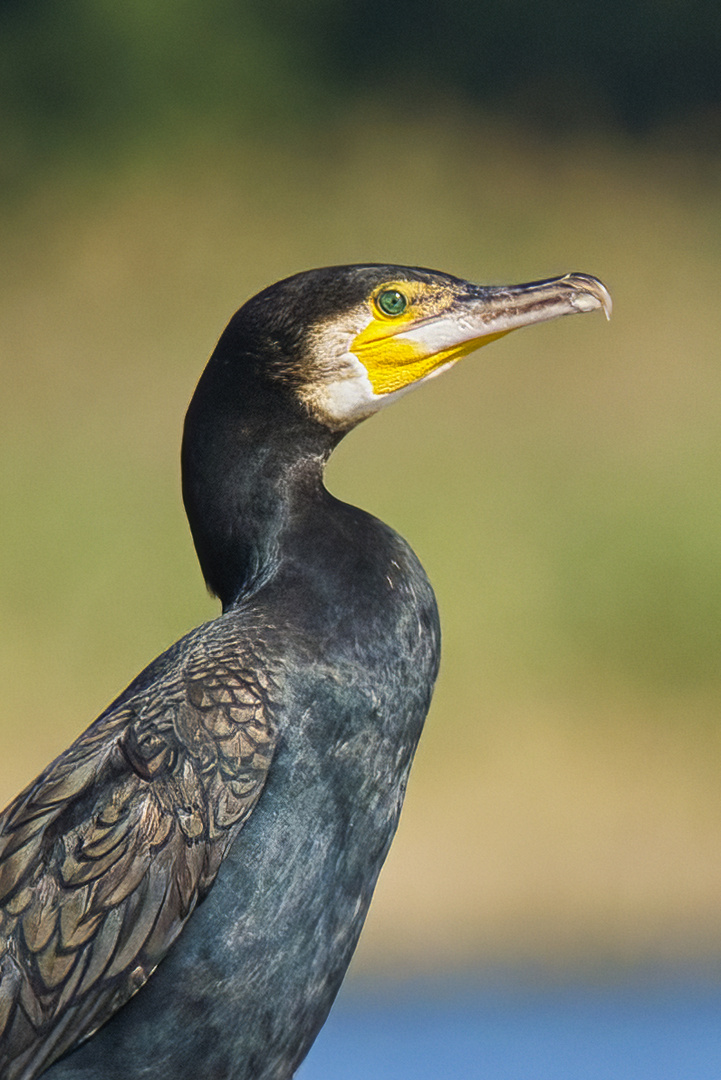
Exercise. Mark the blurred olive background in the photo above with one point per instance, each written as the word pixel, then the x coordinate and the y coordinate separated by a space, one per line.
pixel 162 161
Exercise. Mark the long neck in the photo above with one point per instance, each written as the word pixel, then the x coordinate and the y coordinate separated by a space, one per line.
pixel 250 459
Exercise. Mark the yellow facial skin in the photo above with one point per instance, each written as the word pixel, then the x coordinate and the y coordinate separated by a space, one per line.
pixel 394 360
pixel 423 327
pixel 360 360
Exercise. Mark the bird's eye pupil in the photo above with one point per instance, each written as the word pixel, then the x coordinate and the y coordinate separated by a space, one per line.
pixel 392 302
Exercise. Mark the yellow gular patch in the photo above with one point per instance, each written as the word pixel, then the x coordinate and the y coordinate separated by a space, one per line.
pixel 394 361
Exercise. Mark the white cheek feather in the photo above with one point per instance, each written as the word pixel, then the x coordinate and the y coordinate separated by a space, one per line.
pixel 341 395
pixel 348 398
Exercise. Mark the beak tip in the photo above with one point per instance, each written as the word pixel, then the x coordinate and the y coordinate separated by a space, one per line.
pixel 590 293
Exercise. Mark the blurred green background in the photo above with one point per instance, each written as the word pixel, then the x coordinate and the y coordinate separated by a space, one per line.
pixel 161 161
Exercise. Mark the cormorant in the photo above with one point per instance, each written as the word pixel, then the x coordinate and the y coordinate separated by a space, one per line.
pixel 241 795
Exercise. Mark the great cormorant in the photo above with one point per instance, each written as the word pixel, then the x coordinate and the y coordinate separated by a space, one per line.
pixel 241 795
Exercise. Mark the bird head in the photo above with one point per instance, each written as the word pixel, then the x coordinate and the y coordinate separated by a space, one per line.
pixel 351 339
pixel 303 362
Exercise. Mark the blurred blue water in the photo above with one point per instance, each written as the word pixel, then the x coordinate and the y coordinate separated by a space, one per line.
pixel 651 1027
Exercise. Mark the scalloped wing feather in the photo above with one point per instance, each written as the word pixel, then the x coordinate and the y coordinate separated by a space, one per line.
pixel 104 857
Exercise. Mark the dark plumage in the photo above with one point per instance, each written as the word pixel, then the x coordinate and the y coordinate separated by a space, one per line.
pixel 293 717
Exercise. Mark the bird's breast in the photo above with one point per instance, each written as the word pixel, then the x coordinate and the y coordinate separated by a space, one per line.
pixel 350 666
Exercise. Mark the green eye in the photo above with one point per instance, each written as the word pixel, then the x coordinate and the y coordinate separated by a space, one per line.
pixel 392 302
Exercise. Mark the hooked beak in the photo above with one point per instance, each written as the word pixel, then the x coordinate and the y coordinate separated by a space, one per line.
pixel 485 313
pixel 503 308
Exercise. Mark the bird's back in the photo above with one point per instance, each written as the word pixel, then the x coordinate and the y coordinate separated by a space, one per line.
pixel 308 708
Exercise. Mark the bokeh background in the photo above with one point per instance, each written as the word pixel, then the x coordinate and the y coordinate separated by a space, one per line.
pixel 160 161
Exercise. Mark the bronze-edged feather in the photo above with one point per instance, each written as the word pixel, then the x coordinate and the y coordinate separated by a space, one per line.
pixel 104 857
